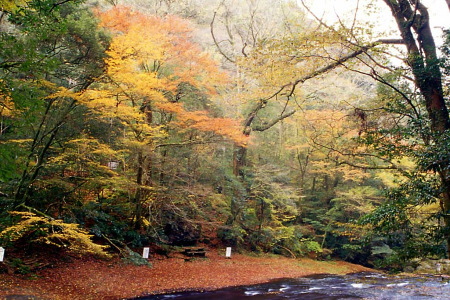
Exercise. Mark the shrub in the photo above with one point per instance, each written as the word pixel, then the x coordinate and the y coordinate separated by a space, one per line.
pixel 32 229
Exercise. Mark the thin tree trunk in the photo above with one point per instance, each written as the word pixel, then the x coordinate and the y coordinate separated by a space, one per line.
pixel 139 191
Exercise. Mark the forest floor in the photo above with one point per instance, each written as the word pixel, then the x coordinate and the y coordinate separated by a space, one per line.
pixel 99 279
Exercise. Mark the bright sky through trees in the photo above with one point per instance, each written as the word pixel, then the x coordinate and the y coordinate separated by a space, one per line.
pixel 341 10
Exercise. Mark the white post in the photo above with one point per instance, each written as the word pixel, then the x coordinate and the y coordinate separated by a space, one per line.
pixel 438 268
pixel 2 253
pixel 228 252
pixel 146 252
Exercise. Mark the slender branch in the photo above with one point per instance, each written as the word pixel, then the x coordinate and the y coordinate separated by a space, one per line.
pixel 333 65
pixel 34 210
pixel 373 74
pixel 390 166
pixel 368 167
pixel 216 42
pixel 55 5
pixel 273 122
pixel 182 144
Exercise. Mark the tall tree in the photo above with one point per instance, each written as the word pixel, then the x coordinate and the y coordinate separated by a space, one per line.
pixel 413 23
pixel 146 87
pixel 54 44
pixel 420 129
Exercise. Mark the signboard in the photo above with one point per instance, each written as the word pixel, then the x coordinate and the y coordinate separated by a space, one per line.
pixel 2 253
pixel 228 252
pixel 146 252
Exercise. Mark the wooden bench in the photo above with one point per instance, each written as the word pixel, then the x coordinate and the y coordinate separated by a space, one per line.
pixel 194 252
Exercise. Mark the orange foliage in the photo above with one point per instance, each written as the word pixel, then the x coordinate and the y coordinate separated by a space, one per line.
pixel 200 120
pixel 121 19
pixel 163 42
pixel 149 57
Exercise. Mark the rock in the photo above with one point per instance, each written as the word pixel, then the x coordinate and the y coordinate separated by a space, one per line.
pixel 433 266
pixel 408 269
pixel 182 233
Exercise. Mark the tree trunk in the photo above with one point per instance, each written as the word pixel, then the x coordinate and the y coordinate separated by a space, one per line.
pixel 42 141
pixel 239 160
pixel 422 58
pixel 302 166
pixel 413 24
pixel 445 206
pixel 139 192
pixel 313 186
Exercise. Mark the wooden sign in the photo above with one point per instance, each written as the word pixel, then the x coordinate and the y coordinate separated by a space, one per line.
pixel 146 252
pixel 2 253
pixel 228 252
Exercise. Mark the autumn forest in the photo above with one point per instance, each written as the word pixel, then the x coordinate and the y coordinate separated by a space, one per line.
pixel 253 124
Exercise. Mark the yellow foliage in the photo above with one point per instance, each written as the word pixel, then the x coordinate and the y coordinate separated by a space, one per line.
pixel 284 59
pixel 6 105
pixel 352 230
pixel 52 232
pixel 148 59
pixel 430 208
pixel 87 155
pixel 20 141
pixel 389 179
pixel 12 5
pixel 354 174
pixel 327 145
pixel 63 92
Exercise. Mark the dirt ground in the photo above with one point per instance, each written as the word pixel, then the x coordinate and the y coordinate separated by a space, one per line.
pixel 97 279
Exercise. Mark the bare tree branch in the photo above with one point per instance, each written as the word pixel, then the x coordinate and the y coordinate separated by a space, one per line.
pixel 273 122
pixel 389 164
pixel 333 65
pixel 216 42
